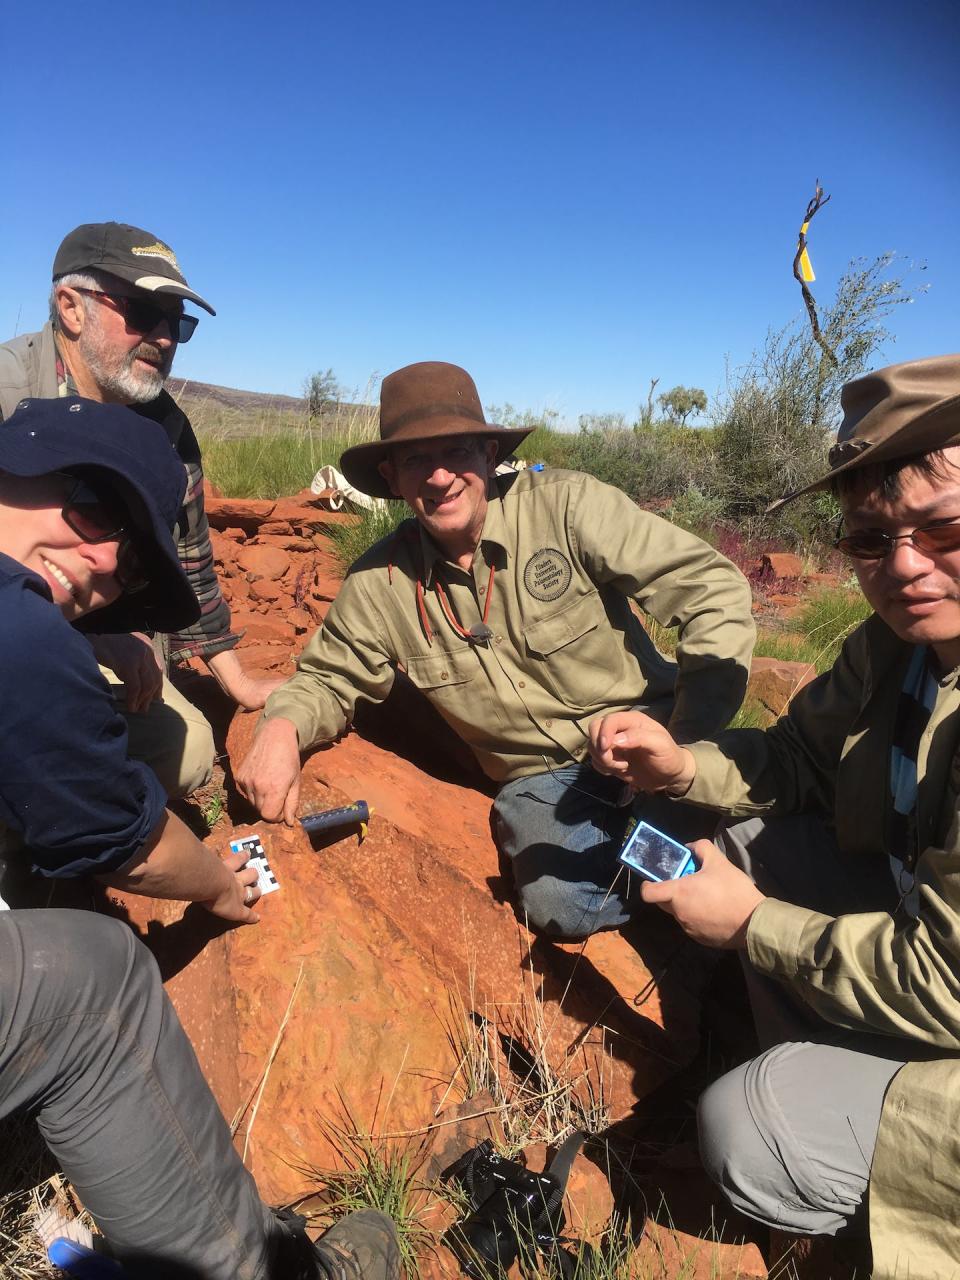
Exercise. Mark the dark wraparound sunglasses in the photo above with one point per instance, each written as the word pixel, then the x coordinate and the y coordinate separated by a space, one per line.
pixel 143 316
pixel 92 519
pixel 874 544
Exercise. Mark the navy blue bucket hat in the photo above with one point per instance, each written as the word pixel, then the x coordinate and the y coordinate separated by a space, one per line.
pixel 131 458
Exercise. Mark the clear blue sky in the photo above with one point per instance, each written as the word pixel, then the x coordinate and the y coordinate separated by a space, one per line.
pixel 566 198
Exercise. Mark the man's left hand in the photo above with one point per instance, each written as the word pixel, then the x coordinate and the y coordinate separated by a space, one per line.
pixel 714 905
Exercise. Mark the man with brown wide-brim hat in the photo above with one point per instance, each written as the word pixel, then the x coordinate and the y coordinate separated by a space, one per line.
pixel 507 603
pixel 846 905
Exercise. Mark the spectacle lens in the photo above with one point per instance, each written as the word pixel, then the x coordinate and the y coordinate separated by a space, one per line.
pixel 874 544
pixel 88 515
pixel 144 316
pixel 130 572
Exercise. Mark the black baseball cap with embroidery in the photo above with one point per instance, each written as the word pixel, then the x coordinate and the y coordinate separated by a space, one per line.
pixel 129 253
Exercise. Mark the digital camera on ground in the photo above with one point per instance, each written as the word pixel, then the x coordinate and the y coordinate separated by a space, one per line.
pixel 514 1213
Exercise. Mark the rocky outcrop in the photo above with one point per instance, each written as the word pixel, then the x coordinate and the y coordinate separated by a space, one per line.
pixel 355 1001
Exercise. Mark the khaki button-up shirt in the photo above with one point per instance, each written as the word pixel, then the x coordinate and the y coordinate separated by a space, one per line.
pixel 877 972
pixel 568 555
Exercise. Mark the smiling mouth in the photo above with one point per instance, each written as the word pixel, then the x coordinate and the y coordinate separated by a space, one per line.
pixel 435 503
pixel 60 577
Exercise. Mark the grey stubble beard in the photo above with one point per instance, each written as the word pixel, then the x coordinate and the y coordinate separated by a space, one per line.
pixel 117 376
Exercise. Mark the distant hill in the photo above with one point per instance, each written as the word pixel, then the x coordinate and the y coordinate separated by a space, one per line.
pixel 186 390
pixel 231 412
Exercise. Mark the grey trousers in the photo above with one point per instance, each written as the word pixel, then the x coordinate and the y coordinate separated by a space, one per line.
pixel 790 1136
pixel 91 1045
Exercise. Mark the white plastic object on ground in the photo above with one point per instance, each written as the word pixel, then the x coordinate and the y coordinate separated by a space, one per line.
pixel 329 479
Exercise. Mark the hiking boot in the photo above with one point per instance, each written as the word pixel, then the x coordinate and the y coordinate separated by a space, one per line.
pixel 361 1246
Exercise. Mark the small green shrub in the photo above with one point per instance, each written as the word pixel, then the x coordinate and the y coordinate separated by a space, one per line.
pixel 350 541
pixel 827 619
pixel 266 466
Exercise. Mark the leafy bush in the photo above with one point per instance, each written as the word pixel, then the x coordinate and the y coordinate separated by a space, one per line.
pixel 781 408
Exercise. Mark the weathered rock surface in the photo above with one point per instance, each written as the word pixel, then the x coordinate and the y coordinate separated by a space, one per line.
pixel 773 682
pixel 351 1002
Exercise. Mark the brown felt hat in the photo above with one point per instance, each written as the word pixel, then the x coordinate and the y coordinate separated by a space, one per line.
pixel 420 402
pixel 897 412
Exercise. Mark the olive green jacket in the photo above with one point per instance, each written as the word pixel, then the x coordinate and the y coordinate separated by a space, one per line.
pixel 873 971
pixel 569 555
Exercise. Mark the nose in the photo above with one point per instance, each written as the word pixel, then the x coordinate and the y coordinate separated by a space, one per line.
pixel 441 476
pixel 165 333
pixel 100 556
pixel 906 561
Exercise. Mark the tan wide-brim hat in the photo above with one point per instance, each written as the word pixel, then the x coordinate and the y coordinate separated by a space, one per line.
pixel 898 412
pixel 421 402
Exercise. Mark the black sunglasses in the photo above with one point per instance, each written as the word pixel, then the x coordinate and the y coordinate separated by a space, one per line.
pixel 874 544
pixel 143 316
pixel 92 519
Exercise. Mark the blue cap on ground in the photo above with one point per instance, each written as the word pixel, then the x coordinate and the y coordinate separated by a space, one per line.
pixel 132 459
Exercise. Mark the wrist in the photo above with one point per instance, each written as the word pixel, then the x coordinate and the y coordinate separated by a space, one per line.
pixel 280 729
pixel 682 780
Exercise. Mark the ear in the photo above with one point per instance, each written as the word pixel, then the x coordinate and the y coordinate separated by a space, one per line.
pixel 70 309
pixel 389 473
pixel 490 452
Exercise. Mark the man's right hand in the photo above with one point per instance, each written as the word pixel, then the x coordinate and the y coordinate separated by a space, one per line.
pixel 269 775
pixel 638 749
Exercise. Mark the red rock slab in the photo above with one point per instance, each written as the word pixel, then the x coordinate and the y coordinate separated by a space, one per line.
pixel 262 562
pixel 670 1252
pixel 285 541
pixel 428 875
pixel 240 513
pixel 773 683
pixel 266 630
pixel 780 564
pixel 303 516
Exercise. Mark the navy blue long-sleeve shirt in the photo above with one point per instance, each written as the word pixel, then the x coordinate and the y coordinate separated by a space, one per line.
pixel 66 783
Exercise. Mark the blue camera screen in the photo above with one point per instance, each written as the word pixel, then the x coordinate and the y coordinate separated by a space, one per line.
pixel 656 855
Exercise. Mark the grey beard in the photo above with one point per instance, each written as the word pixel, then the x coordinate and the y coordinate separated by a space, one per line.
pixel 121 381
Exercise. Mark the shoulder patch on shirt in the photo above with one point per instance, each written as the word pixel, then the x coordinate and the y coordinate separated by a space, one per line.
pixel 547 574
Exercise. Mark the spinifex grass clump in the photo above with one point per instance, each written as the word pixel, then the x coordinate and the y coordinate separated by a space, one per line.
pixel 542 1089
pixel 374 1173
pixel 350 541
pixel 27 1186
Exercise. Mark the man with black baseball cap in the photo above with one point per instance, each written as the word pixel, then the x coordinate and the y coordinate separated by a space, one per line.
pixel 116 319
pixel 89 1042
pixel 842 893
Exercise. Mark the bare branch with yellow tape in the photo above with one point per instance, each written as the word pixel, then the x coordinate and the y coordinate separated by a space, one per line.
pixel 803 274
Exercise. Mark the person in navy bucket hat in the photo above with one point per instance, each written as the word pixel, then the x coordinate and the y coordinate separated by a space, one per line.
pixel 89 1042
pixel 139 482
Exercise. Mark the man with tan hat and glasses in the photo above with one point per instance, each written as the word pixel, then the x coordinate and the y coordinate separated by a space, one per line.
pixel 844 897
pixel 507 601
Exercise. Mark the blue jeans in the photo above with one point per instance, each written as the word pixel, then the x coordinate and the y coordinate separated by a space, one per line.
pixel 91 1045
pixel 563 830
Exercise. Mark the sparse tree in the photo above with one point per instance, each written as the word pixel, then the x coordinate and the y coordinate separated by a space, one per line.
pixel 680 402
pixel 320 391
pixel 646 413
